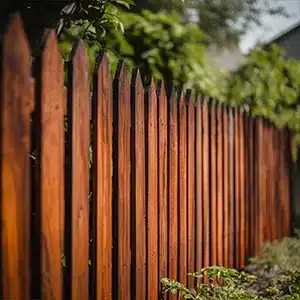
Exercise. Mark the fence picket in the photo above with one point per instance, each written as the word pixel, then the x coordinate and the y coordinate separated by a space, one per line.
pixel 237 180
pixel 152 193
pixel 102 181
pixel 173 186
pixel 226 185
pixel 213 183
pixel 51 112
pixel 121 185
pixel 220 181
pixel 242 169
pixel 163 180
pixel 16 98
pixel 191 188
pixel 182 189
pixel 199 186
pixel 206 189
pixel 138 187
pixel 78 181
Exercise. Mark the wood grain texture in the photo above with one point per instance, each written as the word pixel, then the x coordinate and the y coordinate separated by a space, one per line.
pixel 247 187
pixel 206 183
pixel 281 182
pixel 79 138
pixel 52 103
pixel 199 185
pixel 102 181
pixel 285 185
pixel 182 189
pixel 213 185
pixel 272 183
pixel 263 188
pixel 226 185
pixel 138 187
pixel 237 180
pixel 163 180
pixel 121 188
pixel 277 184
pixel 152 193
pixel 252 210
pixel 261 185
pixel 191 188
pixel 256 185
pixel 242 167
pixel 16 98
pixel 220 187
pixel 231 137
pixel 173 185
pixel 269 178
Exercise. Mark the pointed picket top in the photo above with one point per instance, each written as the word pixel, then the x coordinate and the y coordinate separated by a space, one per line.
pixel 199 100
pixel 136 81
pixel 152 84
pixel 121 73
pixel 51 53
pixel 161 89
pixel 78 55
pixel 189 97
pixel 101 66
pixel 15 45
pixel 171 92
pixel 181 97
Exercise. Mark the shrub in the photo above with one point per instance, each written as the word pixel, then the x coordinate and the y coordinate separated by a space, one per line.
pixel 284 254
pixel 222 283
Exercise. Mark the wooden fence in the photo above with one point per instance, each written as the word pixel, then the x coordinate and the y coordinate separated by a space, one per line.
pixel 175 184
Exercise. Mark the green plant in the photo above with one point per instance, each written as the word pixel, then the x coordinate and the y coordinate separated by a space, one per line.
pixel 161 46
pixel 268 85
pixel 222 283
pixel 285 287
pixel 284 254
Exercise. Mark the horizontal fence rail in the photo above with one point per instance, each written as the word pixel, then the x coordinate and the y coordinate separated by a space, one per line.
pixel 153 183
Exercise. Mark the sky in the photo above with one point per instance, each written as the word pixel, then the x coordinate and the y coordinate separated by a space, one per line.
pixel 272 25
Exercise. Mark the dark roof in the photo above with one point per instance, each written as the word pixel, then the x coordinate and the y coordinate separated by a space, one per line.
pixel 284 33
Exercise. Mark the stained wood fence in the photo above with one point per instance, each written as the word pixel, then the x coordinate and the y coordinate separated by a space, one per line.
pixel 176 182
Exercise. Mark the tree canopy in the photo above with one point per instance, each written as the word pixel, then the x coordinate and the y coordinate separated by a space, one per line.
pixel 223 22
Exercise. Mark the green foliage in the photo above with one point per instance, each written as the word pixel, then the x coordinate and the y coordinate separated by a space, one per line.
pixel 286 287
pixel 223 22
pixel 161 46
pixel 268 85
pixel 284 255
pixel 91 24
pixel 158 44
pixel 222 283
